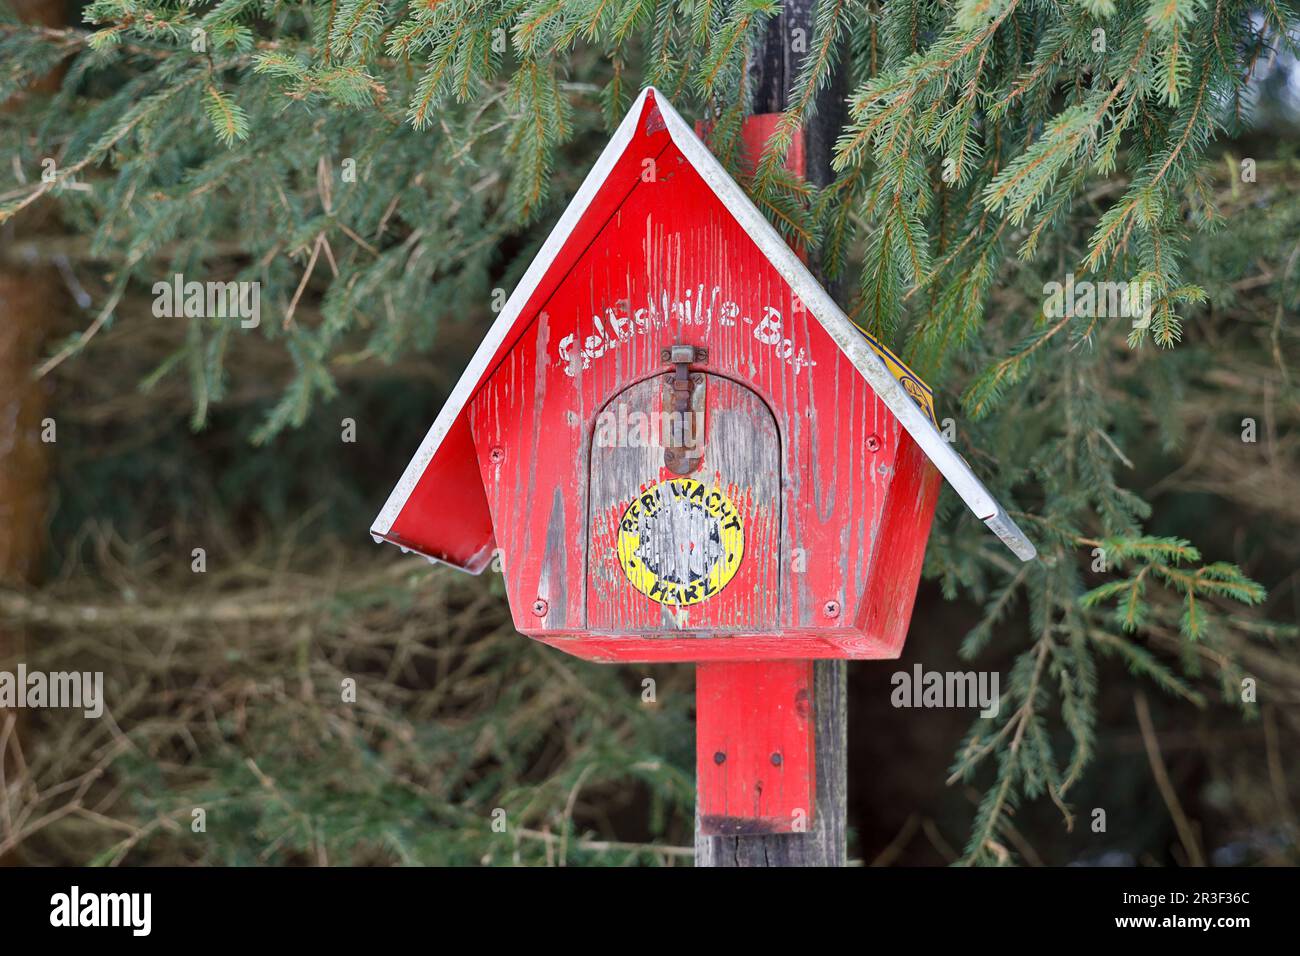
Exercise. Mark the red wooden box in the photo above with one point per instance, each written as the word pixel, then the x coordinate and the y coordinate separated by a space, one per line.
pixel 789 524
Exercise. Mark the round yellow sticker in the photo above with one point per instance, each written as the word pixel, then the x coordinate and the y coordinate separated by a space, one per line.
pixel 680 542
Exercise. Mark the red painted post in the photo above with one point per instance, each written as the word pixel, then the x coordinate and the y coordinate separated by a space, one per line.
pixel 820 840
pixel 755 749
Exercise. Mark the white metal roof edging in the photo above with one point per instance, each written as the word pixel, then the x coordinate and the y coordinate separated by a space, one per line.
pixel 846 335
pixel 463 391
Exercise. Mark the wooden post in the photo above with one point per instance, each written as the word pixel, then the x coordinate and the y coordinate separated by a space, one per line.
pixel 773 69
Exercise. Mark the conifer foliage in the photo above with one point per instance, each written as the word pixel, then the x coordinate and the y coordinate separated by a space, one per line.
pixel 380 165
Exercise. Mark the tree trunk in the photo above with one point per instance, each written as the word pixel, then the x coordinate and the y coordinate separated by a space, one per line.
pixel 28 294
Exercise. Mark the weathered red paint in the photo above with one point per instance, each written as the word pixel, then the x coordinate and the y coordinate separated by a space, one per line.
pixel 447 517
pixel 658 260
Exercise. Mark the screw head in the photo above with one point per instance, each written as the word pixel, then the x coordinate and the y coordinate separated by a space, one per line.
pixel 540 607
pixel 873 443
pixel 831 609
pixel 776 760
pixel 719 757
pixel 497 455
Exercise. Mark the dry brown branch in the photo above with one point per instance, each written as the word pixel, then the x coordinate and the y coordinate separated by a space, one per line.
pixel 1185 832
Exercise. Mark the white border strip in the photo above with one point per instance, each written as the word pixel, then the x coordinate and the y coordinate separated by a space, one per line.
pixel 844 333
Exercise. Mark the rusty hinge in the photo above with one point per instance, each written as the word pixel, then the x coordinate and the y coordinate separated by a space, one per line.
pixel 684 399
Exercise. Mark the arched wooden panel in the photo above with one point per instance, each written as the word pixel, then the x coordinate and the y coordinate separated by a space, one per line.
pixel 663 555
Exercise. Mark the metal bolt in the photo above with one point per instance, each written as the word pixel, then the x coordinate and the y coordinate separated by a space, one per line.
pixel 719 757
pixel 873 443
pixel 497 455
pixel 540 607
pixel 776 760
pixel 832 608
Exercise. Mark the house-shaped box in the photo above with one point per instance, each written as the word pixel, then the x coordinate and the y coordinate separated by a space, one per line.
pixel 676 444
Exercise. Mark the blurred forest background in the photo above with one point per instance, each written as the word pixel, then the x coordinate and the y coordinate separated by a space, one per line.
pixel 223 687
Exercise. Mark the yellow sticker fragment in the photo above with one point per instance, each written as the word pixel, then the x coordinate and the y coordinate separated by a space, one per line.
pixel 911 382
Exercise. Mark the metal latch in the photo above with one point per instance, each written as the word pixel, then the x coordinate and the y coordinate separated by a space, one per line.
pixel 684 399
